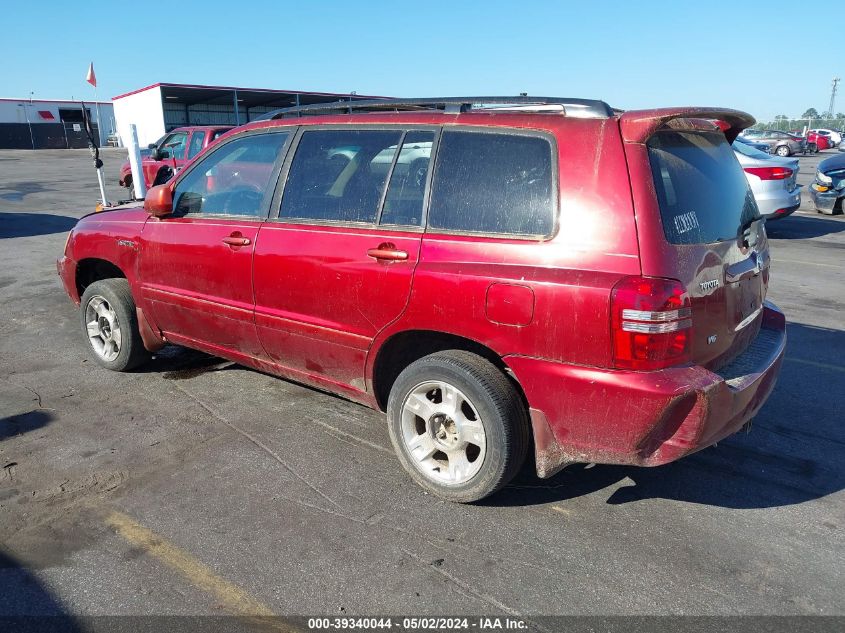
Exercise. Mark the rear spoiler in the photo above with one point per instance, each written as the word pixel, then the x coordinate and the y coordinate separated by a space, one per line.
pixel 638 125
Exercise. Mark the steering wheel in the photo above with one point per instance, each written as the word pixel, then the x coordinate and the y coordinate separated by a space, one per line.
pixel 242 200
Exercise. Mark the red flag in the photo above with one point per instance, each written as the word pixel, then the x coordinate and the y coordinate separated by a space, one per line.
pixel 91 78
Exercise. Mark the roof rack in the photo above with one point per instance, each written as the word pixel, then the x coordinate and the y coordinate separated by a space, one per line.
pixel 580 108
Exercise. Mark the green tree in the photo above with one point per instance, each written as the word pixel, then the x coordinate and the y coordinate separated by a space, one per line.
pixel 810 114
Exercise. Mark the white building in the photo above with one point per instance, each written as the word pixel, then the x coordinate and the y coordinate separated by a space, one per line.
pixel 51 123
pixel 159 108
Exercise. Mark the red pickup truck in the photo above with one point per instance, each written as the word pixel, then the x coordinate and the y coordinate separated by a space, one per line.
pixel 164 158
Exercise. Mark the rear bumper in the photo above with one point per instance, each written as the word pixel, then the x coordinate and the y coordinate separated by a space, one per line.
pixel 778 203
pixel 585 414
pixel 66 268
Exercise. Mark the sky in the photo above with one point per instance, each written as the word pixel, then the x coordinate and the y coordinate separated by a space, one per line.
pixel 631 54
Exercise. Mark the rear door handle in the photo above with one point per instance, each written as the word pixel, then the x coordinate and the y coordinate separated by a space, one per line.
pixel 388 252
pixel 236 239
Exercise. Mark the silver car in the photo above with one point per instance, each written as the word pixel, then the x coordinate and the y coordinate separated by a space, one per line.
pixel 772 180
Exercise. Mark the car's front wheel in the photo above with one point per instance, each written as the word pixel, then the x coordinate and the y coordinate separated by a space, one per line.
pixel 458 425
pixel 783 150
pixel 110 324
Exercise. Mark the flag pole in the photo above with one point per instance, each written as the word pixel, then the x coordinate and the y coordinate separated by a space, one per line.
pixel 99 118
pixel 95 144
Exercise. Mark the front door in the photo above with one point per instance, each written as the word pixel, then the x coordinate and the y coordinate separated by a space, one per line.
pixel 336 266
pixel 196 265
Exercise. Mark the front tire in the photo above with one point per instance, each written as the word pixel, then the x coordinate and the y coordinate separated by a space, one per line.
pixel 110 325
pixel 458 425
pixel 783 151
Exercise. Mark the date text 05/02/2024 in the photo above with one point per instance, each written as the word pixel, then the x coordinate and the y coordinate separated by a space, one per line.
pixel 482 623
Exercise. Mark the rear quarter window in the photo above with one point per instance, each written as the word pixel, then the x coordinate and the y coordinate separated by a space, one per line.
pixel 701 189
pixel 493 183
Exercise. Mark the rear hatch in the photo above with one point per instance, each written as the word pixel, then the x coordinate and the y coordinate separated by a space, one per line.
pixel 698 222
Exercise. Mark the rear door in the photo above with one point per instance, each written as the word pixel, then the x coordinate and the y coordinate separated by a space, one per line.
pixel 335 267
pixel 708 234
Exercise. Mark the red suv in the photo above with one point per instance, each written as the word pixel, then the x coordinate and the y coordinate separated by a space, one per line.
pixel 164 158
pixel 499 275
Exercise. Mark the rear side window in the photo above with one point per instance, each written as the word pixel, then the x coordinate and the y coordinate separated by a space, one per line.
pixel 493 183
pixel 702 191
pixel 403 204
pixel 339 175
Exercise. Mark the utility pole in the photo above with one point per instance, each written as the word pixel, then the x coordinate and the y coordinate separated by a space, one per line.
pixel 830 109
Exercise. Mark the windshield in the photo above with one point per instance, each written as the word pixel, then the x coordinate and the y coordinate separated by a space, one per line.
pixel 701 189
pixel 747 150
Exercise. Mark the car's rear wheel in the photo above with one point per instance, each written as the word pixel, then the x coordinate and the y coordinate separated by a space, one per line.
pixel 110 324
pixel 458 425
pixel 783 150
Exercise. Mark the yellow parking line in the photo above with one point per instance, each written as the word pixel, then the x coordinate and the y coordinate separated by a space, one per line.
pixel 815 363
pixel 232 598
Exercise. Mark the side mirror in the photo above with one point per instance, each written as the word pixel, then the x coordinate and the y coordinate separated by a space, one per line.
pixel 151 146
pixel 155 153
pixel 159 201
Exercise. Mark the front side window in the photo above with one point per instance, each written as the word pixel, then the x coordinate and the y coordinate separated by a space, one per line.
pixel 174 145
pixel 339 175
pixel 197 139
pixel 232 180
pixel 499 184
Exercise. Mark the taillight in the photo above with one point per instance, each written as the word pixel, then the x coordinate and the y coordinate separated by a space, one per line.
pixel 770 173
pixel 651 323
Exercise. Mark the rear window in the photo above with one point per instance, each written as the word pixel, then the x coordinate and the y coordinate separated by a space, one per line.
pixel 702 191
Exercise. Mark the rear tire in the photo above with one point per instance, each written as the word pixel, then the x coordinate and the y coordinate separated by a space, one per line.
pixel 110 324
pixel 458 425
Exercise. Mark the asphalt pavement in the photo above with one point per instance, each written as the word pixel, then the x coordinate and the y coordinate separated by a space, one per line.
pixel 195 486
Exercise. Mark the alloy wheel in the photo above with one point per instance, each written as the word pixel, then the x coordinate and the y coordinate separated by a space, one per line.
pixel 103 328
pixel 443 433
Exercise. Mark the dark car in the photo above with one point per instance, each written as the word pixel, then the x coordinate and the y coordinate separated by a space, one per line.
pixel 497 274
pixel 828 189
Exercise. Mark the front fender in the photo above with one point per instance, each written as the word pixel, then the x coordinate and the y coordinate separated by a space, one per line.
pixel 110 236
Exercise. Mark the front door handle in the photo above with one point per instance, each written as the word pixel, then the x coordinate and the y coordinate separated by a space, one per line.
pixel 236 239
pixel 388 252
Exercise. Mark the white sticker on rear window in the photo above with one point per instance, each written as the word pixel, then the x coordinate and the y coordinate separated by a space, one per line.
pixel 686 222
